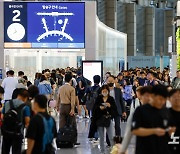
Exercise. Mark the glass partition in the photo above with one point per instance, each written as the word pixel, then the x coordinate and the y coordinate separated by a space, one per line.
pixel 111 47
pixel 31 61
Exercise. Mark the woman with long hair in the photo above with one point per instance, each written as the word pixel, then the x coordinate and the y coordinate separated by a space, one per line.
pixel 104 111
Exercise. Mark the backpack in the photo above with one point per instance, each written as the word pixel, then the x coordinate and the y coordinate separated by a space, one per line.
pixel 59 80
pixel 48 135
pixel 91 98
pixel 13 120
pixel 85 82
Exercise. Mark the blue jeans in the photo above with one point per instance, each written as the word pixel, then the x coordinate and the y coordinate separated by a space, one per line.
pixel 117 129
pixel 109 131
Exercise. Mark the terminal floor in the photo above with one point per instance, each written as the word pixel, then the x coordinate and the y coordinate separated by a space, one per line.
pixel 86 147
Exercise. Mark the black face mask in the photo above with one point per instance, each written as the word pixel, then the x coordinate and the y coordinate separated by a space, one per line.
pixel 111 84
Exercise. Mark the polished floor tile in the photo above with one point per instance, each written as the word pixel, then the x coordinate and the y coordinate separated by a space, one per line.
pixel 86 147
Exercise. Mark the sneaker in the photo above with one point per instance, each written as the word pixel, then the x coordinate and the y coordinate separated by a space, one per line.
pixel 80 117
pixel 95 144
pixel 96 141
pixel 87 117
pixel 77 143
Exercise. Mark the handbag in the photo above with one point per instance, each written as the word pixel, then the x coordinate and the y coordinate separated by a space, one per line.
pixel 104 121
pixel 52 103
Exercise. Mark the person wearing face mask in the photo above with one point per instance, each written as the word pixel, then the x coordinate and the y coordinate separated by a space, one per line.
pixel 104 111
pixel 117 95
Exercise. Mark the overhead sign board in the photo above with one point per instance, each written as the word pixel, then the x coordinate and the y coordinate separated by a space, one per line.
pixel 44 25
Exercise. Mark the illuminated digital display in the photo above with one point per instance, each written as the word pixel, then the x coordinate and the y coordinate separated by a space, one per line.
pixel 44 25
pixel 92 68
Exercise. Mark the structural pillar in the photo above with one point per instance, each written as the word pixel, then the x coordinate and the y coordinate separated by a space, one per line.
pixel 150 31
pixel 131 28
pixel 90 30
pixel 111 13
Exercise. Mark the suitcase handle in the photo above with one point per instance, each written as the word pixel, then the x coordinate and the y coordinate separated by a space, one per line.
pixel 69 120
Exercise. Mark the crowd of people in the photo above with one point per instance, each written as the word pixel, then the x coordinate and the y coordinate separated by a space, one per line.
pixel 145 98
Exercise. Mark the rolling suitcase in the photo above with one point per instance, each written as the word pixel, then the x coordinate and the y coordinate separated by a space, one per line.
pixel 67 136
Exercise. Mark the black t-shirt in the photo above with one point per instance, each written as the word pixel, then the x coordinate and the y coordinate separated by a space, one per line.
pixel 60 79
pixel 175 148
pixel 142 81
pixel 147 116
pixel 35 132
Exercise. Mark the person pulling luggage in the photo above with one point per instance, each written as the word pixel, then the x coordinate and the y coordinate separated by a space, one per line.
pixel 66 104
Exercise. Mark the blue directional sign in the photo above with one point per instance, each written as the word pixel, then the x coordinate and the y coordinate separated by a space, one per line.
pixel 44 25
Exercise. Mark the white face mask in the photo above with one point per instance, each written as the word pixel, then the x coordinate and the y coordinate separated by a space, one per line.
pixel 105 94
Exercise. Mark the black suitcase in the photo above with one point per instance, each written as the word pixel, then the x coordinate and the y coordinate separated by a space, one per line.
pixel 67 136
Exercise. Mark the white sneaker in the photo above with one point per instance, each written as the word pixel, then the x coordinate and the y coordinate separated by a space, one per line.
pixel 87 117
pixel 80 117
pixel 96 141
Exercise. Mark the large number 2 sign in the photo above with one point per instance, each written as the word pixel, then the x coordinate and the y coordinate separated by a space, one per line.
pixel 16 16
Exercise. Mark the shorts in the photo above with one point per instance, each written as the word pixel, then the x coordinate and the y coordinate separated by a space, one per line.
pixel 80 100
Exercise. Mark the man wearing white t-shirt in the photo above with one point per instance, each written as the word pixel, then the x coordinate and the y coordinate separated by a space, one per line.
pixel 9 84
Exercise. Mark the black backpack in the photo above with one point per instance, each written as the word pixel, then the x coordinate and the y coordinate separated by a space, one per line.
pixel 13 120
pixel 59 80
pixel 91 98
pixel 85 82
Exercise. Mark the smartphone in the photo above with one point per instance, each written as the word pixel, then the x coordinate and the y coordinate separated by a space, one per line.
pixel 104 104
pixel 167 129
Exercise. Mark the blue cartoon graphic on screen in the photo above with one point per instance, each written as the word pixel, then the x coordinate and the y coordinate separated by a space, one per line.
pixel 56 25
